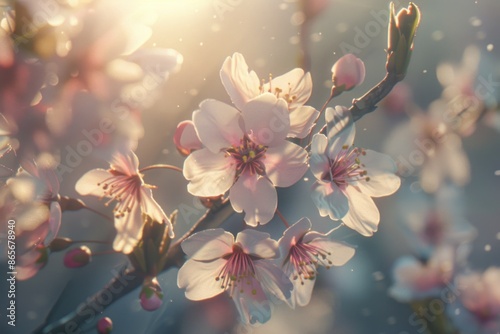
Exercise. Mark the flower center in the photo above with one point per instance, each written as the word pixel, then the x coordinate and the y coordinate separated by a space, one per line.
pixel 305 259
pixel 237 272
pixel 287 96
pixel 346 167
pixel 248 157
pixel 125 189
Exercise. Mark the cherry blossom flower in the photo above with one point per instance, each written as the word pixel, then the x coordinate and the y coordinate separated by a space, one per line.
pixel 303 251
pixel 294 87
pixel 433 221
pixel 416 280
pixel 348 177
pixel 348 72
pixel 477 309
pixel 218 262
pixel 246 153
pixel 33 200
pixel 426 145
pixel 123 183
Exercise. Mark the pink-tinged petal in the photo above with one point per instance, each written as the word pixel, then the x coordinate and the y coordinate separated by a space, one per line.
pixel 209 174
pixel 341 129
pixel 302 291
pixel 241 84
pixel 256 196
pixel 217 125
pixel 253 306
pixel 266 119
pixel 258 244
pixel 185 138
pixel 339 253
pixel 302 121
pixel 51 180
pixel 128 230
pixel 208 245
pixel 348 71
pixel 330 200
pixel 150 207
pixel 285 164
pixel 363 215
pixel 198 278
pixel 292 235
pixel 319 159
pixel 273 280
pixel 381 170
pixel 127 164
pixel 54 222
pixel 295 84
pixel 88 184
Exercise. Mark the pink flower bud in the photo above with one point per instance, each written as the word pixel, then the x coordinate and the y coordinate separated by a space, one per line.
pixel 186 139
pixel 349 72
pixel 104 325
pixel 77 257
pixel 151 295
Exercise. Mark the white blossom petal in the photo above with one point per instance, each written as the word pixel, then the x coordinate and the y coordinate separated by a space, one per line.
pixel 217 125
pixel 363 215
pixel 209 174
pixel 88 184
pixel 153 209
pixel 253 306
pixel 266 119
pixel 198 278
pixel 381 171
pixel 341 130
pixel 256 196
pixel 302 291
pixel 127 164
pixel 319 159
pixel 330 200
pixel 257 243
pixel 285 164
pixel 128 230
pixel 339 253
pixel 208 245
pixel 241 84
pixel 273 280
pixel 293 234
pixel 302 121
pixel 295 84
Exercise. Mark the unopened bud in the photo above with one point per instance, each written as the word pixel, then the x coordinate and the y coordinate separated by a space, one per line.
pixel 104 325
pixel 348 72
pixel 151 295
pixel 78 257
